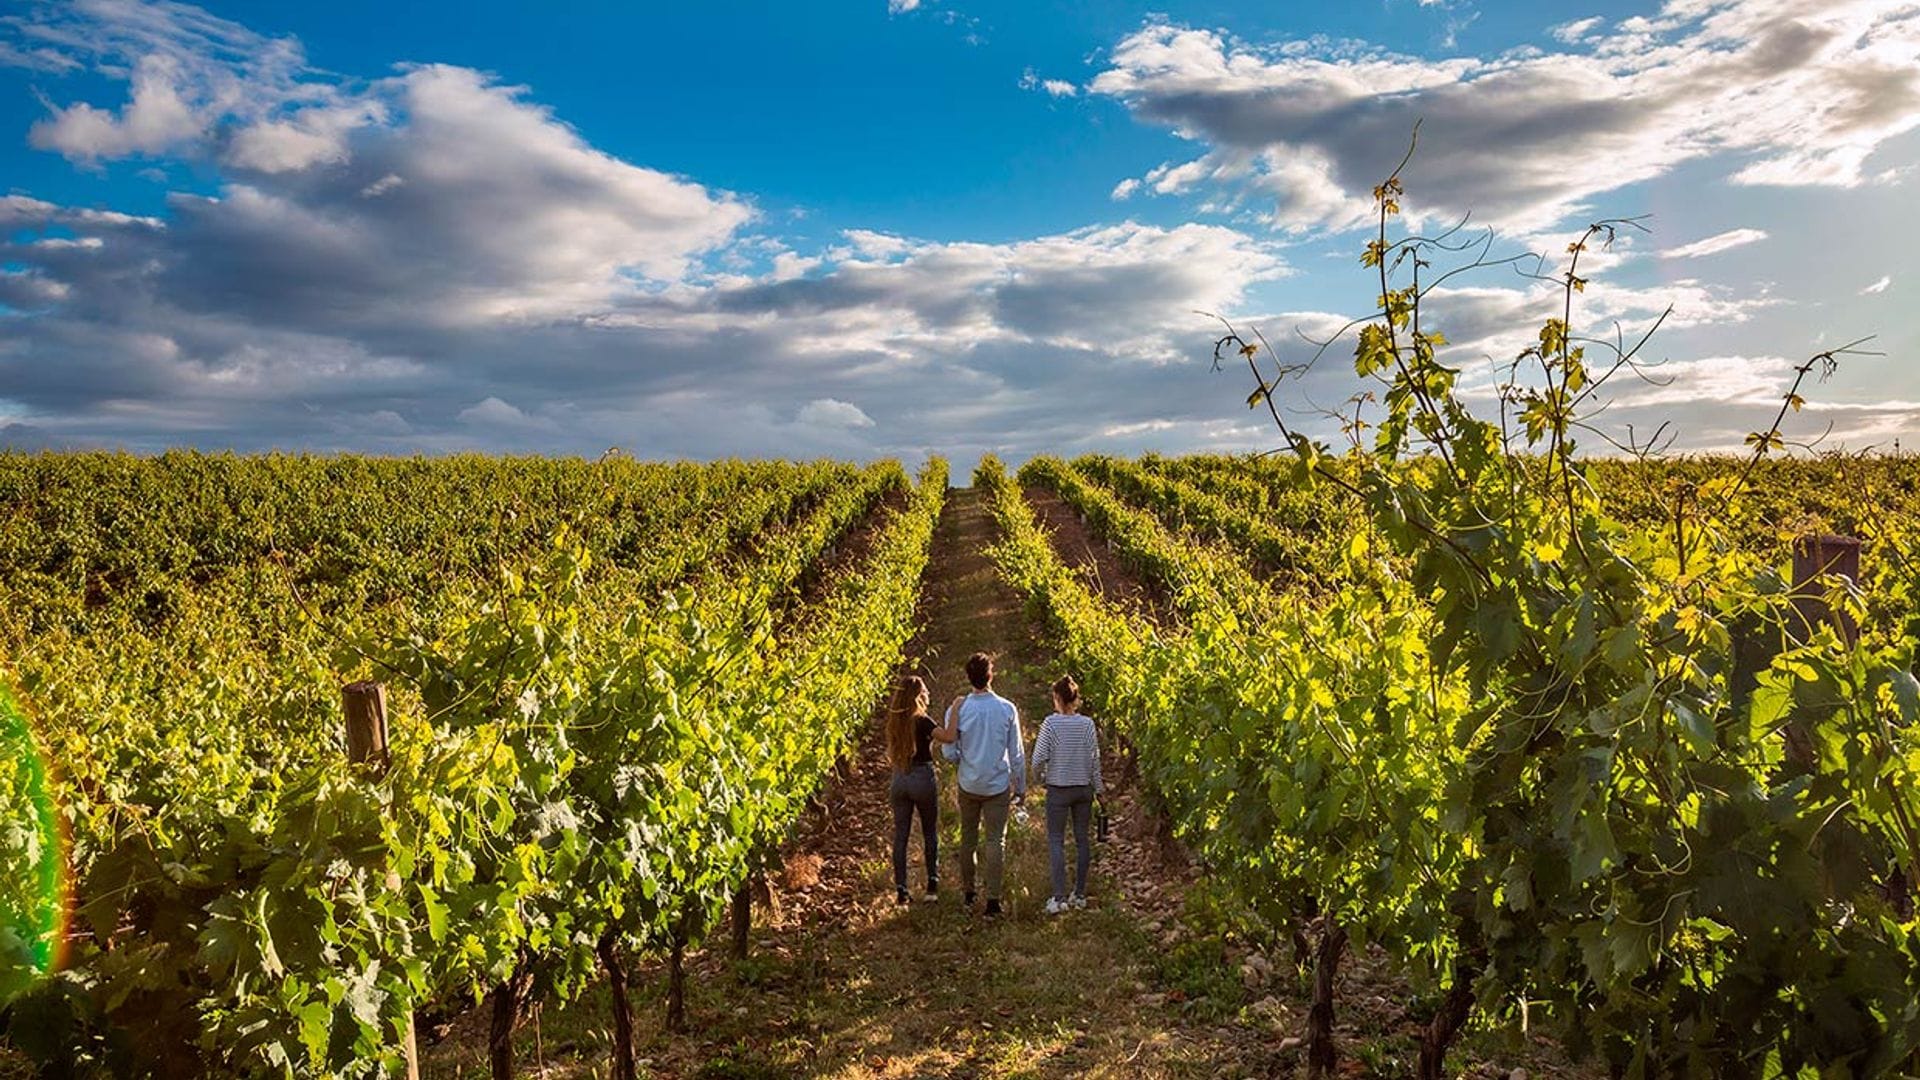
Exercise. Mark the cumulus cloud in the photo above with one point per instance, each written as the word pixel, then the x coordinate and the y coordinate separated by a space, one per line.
pixel 382 186
pixel 476 206
pixel 1715 244
pixel 188 74
pixel 1577 31
pixel 1731 395
pixel 832 413
pixel 1791 92
pixel 156 119
pixel 492 413
pixel 1126 290
pixel 155 341
pixel 432 260
pixel 1500 320
pixel 1052 87
pixel 306 138
pixel 1879 286
pixel 1729 380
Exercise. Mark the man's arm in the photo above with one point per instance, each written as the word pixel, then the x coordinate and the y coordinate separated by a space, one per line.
pixel 948 731
pixel 1017 753
pixel 951 745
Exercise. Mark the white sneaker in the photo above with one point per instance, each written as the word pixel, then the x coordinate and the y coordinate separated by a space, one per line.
pixel 1078 902
pixel 1055 907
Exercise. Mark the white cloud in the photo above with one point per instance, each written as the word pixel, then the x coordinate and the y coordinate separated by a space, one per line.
pixel 493 411
pixel 876 245
pixel 305 139
pixel 1494 323
pixel 1724 397
pixel 1878 286
pixel 1059 88
pixel 1125 189
pixel 898 7
pixel 461 202
pixel 832 413
pixel 22 211
pixel 382 186
pixel 1787 92
pixel 1053 87
pixel 463 270
pixel 1715 244
pixel 1751 381
pixel 451 266
pixel 788 265
pixel 49 61
pixel 188 72
pixel 1577 31
pixel 1127 290
pixel 156 119
pixel 250 321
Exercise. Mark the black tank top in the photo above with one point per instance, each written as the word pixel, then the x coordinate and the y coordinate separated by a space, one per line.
pixel 922 741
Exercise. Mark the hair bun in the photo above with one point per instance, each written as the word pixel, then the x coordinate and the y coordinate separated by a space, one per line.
pixel 1067 690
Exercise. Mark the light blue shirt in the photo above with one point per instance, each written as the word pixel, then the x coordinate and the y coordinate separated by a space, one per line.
pixel 989 751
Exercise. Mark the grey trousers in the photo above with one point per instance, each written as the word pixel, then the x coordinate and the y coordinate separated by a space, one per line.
pixel 994 809
pixel 1062 803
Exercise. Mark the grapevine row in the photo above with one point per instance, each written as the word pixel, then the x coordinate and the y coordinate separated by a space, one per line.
pixel 572 775
pixel 1328 764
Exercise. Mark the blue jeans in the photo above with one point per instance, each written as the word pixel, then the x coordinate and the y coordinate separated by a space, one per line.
pixel 1064 802
pixel 916 790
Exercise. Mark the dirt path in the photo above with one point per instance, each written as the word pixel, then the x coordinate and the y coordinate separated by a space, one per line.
pixel 845 983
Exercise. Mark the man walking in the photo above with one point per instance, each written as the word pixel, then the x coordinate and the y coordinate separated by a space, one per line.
pixel 992 772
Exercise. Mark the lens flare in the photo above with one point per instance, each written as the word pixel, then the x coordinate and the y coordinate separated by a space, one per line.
pixel 33 886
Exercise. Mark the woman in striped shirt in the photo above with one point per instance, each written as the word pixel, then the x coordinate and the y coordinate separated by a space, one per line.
pixel 1066 758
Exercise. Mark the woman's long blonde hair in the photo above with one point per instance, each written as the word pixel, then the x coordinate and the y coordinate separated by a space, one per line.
pixel 909 700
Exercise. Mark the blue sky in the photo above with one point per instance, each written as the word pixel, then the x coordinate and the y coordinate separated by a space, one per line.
pixel 893 228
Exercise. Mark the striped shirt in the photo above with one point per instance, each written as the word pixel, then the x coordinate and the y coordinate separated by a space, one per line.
pixel 1066 753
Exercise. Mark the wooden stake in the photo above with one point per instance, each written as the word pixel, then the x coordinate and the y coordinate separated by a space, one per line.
pixel 1813 557
pixel 365 706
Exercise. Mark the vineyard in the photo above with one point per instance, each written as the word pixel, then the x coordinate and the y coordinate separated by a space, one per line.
pixel 1625 750
pixel 613 687
pixel 313 755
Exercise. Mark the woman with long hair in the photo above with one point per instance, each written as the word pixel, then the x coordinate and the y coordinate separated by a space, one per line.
pixel 914 788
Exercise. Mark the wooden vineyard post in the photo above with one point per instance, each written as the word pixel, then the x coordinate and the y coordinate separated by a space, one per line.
pixel 1814 556
pixel 365 706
